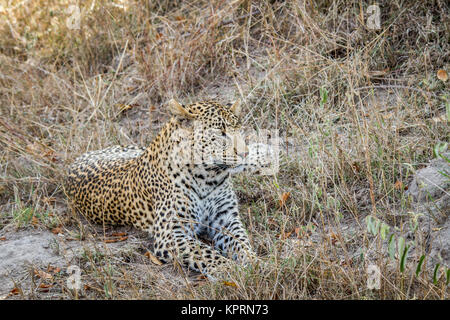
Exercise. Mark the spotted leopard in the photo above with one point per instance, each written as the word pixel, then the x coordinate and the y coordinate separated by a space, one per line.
pixel 178 189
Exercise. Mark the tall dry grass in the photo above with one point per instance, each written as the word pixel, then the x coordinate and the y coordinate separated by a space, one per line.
pixel 358 111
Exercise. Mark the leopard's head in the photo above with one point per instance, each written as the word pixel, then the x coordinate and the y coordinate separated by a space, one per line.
pixel 212 134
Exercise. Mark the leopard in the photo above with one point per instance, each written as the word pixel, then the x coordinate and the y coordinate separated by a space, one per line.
pixel 179 189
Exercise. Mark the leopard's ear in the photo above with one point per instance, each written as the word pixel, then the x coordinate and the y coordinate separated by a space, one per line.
pixel 178 110
pixel 236 107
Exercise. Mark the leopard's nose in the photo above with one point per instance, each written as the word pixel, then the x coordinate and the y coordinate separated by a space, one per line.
pixel 243 155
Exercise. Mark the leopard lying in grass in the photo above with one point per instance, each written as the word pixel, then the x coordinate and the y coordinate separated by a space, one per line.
pixel 178 189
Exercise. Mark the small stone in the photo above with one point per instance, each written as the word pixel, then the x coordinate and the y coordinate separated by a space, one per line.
pixel 431 183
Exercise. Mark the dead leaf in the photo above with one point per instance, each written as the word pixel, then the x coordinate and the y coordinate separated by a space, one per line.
pixel 442 75
pixel 111 240
pixel 116 237
pixel 34 221
pixel 14 291
pixel 57 230
pixel 118 234
pixel 298 232
pixel 230 284
pixel 152 258
pixel 283 198
pixel 43 275
pixel 398 185
pixel 200 280
pixel 53 269
pixel 2 238
pixel 201 277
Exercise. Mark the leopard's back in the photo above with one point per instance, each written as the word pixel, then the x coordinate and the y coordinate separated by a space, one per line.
pixel 100 186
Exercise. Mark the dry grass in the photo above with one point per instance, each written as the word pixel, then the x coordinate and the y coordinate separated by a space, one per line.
pixel 358 111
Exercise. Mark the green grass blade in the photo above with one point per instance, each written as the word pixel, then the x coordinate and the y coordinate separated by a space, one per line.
pixel 403 259
pixel 435 273
pixel 419 266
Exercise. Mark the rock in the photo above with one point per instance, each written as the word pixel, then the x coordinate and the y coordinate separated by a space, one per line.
pixel 430 189
pixel 430 183
pixel 440 252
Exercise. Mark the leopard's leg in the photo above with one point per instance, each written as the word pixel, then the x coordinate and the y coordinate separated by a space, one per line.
pixel 229 235
pixel 176 240
pixel 191 252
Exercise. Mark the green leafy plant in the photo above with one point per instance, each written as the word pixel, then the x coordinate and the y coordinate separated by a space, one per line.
pixel 398 248
pixel 439 149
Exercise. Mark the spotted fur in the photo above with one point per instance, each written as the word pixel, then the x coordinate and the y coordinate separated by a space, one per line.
pixel 165 190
